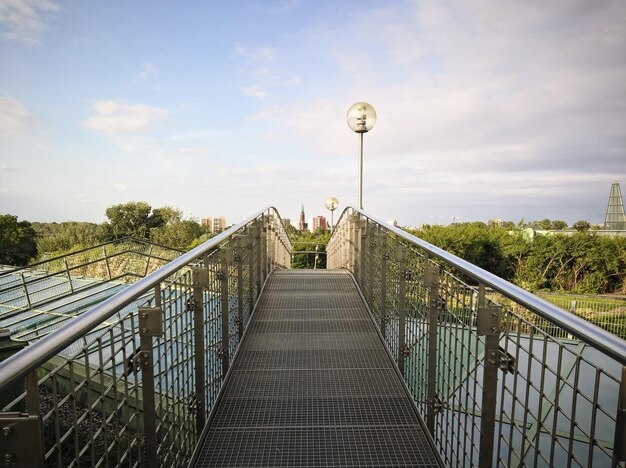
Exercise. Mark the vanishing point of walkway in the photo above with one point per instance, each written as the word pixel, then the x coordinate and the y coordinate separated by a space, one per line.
pixel 313 385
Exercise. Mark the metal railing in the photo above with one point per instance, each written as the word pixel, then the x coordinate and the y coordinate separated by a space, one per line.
pixel 40 283
pixel 138 384
pixel 530 385
pixel 609 314
pixel 312 255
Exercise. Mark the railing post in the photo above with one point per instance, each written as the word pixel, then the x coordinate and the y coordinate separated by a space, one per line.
pixel 106 261
pixel 256 253
pixel 403 272
pixel 619 445
pixel 150 325
pixel 371 251
pixel 263 247
pixel 362 241
pixel 200 278
pixel 145 272
pixel 239 260
pixel 226 260
pixel 69 277
pixel 488 325
pixel 431 283
pixel 25 286
pixel 383 283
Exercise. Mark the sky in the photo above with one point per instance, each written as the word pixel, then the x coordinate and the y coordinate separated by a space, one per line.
pixel 486 109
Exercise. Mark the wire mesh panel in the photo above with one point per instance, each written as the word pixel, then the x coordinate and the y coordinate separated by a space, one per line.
pixel 131 382
pixel 501 378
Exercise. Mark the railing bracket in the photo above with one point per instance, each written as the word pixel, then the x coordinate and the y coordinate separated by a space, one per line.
pixel 201 277
pixel 21 442
pixel 488 320
pixel 150 321
pixel 506 361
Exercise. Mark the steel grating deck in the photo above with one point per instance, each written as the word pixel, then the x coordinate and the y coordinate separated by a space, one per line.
pixel 313 385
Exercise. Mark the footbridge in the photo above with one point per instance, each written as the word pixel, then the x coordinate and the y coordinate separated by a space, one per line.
pixel 398 354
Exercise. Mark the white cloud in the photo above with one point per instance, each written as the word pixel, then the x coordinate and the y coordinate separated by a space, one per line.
pixel 148 70
pixel 25 20
pixel 254 91
pixel 197 150
pixel 6 168
pixel 259 54
pixel 197 135
pixel 118 118
pixel 15 117
pixel 119 187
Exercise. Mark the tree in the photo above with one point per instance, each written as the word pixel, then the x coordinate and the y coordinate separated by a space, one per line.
pixel 17 241
pixel 164 216
pixel 66 236
pixel 581 225
pixel 544 224
pixel 180 235
pixel 129 219
pixel 558 225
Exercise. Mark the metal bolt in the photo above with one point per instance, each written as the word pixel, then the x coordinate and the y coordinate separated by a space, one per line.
pixel 494 314
pixel 144 315
pixel 495 329
pixel 8 458
pixel 144 330
pixel 6 430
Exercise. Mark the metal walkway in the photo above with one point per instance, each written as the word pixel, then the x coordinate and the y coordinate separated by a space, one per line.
pixel 313 385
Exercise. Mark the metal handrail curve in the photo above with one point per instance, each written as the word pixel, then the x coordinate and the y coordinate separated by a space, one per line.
pixel 20 364
pixel 600 339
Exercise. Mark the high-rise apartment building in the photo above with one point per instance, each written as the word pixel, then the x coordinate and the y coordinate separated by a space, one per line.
pixel 318 222
pixel 215 224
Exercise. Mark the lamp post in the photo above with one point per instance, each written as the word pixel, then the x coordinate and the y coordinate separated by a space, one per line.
pixel 331 205
pixel 361 118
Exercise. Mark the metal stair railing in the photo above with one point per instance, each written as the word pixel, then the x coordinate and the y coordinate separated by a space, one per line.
pixel 138 390
pixel 504 380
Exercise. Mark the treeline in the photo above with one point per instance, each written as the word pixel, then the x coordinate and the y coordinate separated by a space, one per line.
pixel 22 242
pixel 583 262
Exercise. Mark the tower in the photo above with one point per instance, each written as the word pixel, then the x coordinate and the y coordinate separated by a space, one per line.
pixel 302 225
pixel 615 218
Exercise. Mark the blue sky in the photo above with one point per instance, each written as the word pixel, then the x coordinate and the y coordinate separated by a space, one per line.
pixel 486 109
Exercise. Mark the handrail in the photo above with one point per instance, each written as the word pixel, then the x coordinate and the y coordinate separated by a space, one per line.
pixel 589 333
pixel 20 364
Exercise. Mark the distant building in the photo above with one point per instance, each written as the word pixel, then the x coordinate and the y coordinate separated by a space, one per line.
pixel 215 224
pixel 615 218
pixel 302 224
pixel 393 222
pixel 497 222
pixel 286 222
pixel 318 222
